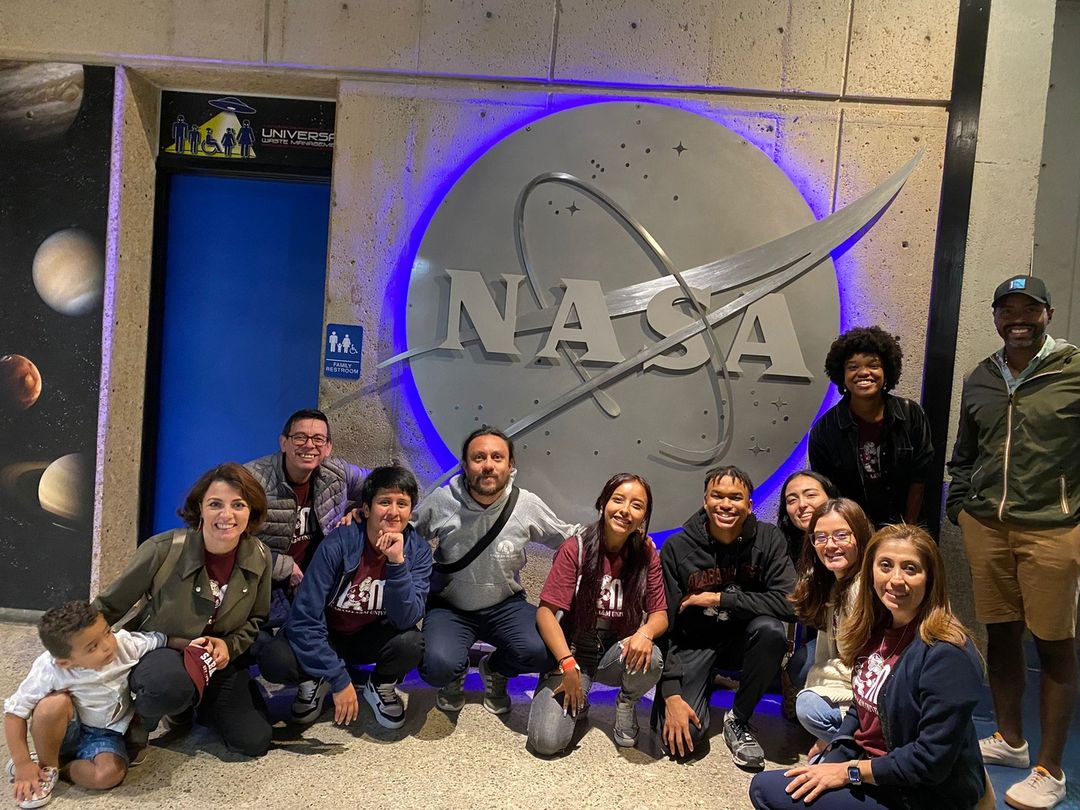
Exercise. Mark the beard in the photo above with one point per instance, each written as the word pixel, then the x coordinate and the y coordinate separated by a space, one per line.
pixel 485 487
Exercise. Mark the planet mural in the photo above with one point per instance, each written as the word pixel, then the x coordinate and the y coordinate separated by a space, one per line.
pixel 62 489
pixel 38 100
pixel 20 382
pixel 69 272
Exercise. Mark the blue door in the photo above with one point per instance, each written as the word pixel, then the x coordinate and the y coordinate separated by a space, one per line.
pixel 242 315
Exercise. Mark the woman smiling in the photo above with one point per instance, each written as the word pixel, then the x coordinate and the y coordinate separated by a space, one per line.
pixel 908 740
pixel 601 609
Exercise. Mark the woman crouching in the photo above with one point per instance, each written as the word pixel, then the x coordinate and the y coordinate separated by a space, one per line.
pixel 608 589
pixel 908 740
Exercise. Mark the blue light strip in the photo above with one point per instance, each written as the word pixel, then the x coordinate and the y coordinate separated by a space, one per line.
pixel 745 123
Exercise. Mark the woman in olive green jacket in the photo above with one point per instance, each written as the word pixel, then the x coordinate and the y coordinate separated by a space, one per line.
pixel 207 587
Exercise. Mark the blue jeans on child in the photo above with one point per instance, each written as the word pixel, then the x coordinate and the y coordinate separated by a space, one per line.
pixel 86 742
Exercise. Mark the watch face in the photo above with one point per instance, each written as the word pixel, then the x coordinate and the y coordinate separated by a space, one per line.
pixel 853 775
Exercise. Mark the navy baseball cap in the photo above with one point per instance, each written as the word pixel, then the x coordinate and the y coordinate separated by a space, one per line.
pixel 1025 285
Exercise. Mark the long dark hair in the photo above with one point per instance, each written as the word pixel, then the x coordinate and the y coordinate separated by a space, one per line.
pixel 783 519
pixel 817 588
pixel 638 547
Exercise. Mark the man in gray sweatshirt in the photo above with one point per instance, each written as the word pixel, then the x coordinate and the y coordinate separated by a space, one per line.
pixel 483 600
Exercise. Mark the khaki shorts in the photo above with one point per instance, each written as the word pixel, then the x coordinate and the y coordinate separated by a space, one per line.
pixel 1028 575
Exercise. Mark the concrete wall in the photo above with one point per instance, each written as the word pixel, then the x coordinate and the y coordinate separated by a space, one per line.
pixel 838 92
pixel 1003 197
pixel 1057 215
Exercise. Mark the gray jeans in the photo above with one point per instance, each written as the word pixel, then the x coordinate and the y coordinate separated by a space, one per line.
pixel 550 729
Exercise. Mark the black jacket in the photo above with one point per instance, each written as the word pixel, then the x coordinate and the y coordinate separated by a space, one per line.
pixel 907 455
pixel 925 706
pixel 754 573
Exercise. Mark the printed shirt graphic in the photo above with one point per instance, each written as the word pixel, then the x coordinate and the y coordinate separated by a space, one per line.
pixel 303 525
pixel 870 449
pixel 560 586
pixel 362 602
pixel 872 669
pixel 219 568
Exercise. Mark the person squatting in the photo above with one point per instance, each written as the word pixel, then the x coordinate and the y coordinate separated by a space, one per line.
pixel 305 567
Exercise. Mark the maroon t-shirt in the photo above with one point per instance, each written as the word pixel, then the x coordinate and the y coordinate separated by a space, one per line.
pixel 362 602
pixel 873 665
pixel 219 568
pixel 561 585
pixel 303 527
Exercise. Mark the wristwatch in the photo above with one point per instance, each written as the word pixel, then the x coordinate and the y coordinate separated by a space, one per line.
pixel 854 776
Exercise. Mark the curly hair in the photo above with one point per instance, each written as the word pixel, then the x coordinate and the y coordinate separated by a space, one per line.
pixel 59 625
pixel 865 340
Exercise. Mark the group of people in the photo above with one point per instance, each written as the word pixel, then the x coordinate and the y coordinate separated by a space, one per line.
pixel 276 568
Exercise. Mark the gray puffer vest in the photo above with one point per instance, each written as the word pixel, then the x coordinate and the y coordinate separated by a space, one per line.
pixel 334 485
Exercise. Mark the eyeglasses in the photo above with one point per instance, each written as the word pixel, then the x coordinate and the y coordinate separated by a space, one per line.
pixel 841 537
pixel 300 439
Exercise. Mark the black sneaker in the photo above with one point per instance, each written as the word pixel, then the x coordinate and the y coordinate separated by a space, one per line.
pixel 496 699
pixel 308 704
pixel 745 749
pixel 385 703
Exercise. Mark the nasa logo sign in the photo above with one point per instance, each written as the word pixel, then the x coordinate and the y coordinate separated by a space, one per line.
pixel 628 286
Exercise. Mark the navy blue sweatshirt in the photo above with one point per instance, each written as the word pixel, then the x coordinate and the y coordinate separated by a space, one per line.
pixel 925 706
pixel 329 574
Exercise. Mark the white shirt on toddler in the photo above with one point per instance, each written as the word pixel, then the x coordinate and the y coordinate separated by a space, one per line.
pixel 101 696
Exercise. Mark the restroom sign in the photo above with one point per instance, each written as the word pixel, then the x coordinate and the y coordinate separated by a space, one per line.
pixel 341 351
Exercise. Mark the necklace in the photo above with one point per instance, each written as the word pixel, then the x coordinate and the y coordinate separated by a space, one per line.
pixel 876 661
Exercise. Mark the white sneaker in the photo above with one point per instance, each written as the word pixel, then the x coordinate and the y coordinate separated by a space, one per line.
pixel 1038 792
pixel 995 751
pixel 308 704
pixel 10 767
pixel 43 795
pixel 386 703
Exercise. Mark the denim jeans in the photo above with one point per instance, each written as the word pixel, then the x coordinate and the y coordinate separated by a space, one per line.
pixel 551 729
pixel 818 715
pixel 509 626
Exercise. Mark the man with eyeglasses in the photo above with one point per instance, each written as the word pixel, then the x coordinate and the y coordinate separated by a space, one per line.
pixel 727 577
pixel 308 492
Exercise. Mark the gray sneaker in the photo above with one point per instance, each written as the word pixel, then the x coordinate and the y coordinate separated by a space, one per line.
pixel 626 725
pixel 496 700
pixel 451 698
pixel 744 747
pixel 308 704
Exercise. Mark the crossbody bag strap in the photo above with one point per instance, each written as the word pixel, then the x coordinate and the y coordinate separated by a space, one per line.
pixel 176 546
pixel 485 541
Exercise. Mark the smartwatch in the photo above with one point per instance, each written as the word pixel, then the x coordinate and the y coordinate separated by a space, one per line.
pixel 854 777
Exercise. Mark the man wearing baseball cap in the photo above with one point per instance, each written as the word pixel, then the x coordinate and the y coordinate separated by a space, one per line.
pixel 1015 493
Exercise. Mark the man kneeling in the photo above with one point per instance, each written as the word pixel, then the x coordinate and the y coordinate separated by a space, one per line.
pixel 727 577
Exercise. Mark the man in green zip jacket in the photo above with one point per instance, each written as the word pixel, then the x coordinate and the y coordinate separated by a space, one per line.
pixel 1015 493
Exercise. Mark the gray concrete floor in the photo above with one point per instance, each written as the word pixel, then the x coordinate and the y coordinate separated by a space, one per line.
pixel 479 760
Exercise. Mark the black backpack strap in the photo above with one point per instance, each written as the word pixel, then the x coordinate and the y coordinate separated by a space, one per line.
pixel 478 548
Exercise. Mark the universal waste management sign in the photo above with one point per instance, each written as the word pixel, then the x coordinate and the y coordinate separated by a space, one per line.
pixel 627 287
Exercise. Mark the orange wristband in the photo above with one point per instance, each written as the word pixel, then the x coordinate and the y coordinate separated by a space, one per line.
pixel 568 664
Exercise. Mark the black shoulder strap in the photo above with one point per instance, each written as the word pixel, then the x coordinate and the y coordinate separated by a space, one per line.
pixel 485 541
